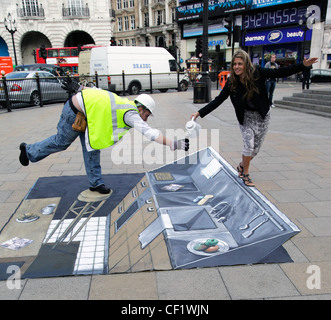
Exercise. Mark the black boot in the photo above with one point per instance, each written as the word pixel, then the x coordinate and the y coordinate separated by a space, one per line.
pixel 101 189
pixel 24 160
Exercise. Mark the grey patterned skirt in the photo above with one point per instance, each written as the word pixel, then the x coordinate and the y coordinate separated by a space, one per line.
pixel 253 132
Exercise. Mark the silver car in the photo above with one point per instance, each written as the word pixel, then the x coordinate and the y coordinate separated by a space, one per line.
pixel 22 88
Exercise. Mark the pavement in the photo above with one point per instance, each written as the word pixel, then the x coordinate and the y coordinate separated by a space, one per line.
pixel 293 170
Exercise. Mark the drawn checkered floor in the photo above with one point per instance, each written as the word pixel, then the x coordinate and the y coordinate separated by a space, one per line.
pixel 93 243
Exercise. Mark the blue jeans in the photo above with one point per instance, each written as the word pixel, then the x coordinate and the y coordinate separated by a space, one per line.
pixel 62 140
pixel 270 86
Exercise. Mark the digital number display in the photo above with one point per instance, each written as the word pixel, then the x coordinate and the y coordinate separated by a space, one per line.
pixel 274 18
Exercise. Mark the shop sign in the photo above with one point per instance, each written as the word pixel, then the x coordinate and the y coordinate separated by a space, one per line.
pixel 265 37
pixel 216 8
pixel 266 3
pixel 215 43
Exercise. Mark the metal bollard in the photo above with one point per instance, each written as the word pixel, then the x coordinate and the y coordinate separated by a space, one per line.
pixel 150 80
pixel 123 80
pixel 39 90
pixel 6 93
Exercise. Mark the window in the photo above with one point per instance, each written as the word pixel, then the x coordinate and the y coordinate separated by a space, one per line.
pixel 146 19
pixel 159 16
pixel 145 2
pixel 30 8
pixel 74 52
pixel 131 3
pixel 125 4
pixel 127 42
pixel 120 24
pixel 325 73
pixel 52 53
pixel 126 23
pixel 133 22
pixel 76 7
pixel 173 65
pixel 119 4
pixel 173 14
pixel 133 42
pixel 64 53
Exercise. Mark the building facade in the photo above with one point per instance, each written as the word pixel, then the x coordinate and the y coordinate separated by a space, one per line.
pixel 54 24
pixel 80 22
pixel 174 24
pixel 266 26
pixel 145 23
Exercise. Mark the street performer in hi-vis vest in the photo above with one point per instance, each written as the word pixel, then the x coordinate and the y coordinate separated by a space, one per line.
pixel 100 118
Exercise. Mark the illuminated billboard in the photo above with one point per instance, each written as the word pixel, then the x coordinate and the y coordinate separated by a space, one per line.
pixel 193 10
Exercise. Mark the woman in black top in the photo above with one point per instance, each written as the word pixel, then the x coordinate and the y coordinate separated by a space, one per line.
pixel 248 94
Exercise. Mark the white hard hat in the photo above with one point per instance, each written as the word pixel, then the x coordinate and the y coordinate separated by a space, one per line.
pixel 147 101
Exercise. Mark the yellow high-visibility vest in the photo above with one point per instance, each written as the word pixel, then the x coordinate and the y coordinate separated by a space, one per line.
pixel 105 112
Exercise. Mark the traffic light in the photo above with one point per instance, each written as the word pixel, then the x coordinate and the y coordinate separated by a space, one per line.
pixel 43 52
pixel 113 41
pixel 198 47
pixel 237 34
pixel 173 51
pixel 229 21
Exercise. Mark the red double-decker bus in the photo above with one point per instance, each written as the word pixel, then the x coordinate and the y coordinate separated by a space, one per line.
pixel 66 57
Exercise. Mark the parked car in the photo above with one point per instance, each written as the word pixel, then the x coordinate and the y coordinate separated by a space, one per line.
pixel 22 88
pixel 52 68
pixel 320 75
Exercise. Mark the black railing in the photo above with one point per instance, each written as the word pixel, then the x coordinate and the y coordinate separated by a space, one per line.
pixel 36 91
pixel 31 12
pixel 76 12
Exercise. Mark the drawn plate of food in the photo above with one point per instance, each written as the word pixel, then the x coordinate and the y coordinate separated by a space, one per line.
pixel 207 246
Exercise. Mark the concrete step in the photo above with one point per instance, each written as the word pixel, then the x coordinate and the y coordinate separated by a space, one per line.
pixel 316 101
pixel 309 95
pixel 322 92
pixel 306 108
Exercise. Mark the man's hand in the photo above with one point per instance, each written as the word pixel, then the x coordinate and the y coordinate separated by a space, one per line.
pixel 183 144
pixel 70 86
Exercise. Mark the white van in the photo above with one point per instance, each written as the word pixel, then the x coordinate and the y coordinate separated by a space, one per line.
pixel 137 63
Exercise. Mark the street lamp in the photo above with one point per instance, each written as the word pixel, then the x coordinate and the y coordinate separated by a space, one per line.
pixel 11 27
pixel 205 63
pixel 303 26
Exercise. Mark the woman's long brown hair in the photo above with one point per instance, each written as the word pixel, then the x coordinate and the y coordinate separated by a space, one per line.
pixel 249 78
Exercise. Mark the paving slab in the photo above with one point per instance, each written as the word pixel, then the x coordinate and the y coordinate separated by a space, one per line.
pixel 62 288
pixel 195 284
pixel 310 278
pixel 257 282
pixel 133 286
pixel 318 226
pixel 316 249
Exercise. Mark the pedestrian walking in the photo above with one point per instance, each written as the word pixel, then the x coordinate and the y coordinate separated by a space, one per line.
pixel 100 119
pixel 306 78
pixel 271 82
pixel 247 90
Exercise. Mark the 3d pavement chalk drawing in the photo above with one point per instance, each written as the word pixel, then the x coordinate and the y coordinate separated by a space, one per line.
pixel 194 212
